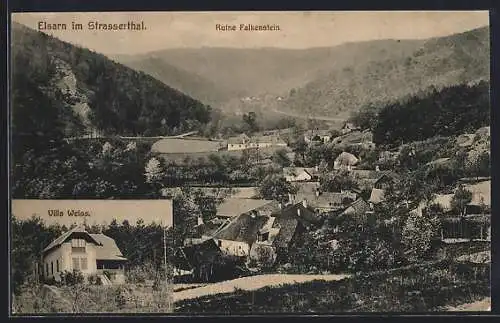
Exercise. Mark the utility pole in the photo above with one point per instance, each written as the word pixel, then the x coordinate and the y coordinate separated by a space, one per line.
pixel 165 250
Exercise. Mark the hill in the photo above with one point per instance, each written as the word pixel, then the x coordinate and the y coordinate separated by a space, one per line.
pixel 327 81
pixel 438 62
pixel 250 77
pixel 63 90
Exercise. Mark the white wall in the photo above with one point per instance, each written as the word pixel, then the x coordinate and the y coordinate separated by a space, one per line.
pixel 65 256
pixel 234 248
pixel 302 176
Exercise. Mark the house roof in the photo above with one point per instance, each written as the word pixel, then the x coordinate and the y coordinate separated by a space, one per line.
pixel 465 139
pixel 307 187
pixel 295 171
pixel 359 207
pixel 287 227
pixel 79 230
pixel 306 216
pixel 233 207
pixel 346 158
pixel 241 139
pixel 481 192
pixel 325 200
pixel 208 228
pixel 376 196
pixel 107 250
pixel 243 228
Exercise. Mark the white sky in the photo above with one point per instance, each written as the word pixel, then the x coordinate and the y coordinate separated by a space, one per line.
pixel 298 29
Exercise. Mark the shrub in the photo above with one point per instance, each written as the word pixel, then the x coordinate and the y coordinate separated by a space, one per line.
pixel 72 278
pixel 94 279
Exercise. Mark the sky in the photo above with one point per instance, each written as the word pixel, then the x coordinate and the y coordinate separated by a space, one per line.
pixel 298 30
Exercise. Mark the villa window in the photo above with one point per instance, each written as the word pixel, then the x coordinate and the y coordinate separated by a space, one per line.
pixel 52 267
pixel 76 264
pixel 57 265
pixel 83 263
pixel 46 268
pixel 78 245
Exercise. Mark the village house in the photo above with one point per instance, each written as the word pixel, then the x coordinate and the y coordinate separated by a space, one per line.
pixel 348 127
pixel 317 135
pixel 300 174
pixel 322 202
pixel 476 224
pixel 87 253
pixel 254 237
pixel 243 142
pixel 359 210
pixel 281 231
pixel 355 138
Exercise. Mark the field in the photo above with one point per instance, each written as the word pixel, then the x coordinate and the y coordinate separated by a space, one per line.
pixel 423 288
pixel 129 298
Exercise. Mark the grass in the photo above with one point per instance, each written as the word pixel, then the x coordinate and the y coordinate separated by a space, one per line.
pixel 421 288
pixel 129 298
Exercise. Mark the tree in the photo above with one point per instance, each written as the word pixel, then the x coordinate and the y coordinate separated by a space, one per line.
pixel 275 187
pixel 365 118
pixel 460 199
pixel 153 171
pixel 280 157
pixel 250 122
pixel 418 233
pixel 336 182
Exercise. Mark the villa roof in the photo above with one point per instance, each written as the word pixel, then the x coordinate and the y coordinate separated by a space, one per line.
pixel 107 250
pixel 79 230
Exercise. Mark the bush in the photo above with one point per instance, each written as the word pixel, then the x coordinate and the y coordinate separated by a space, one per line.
pixel 72 278
pixel 94 280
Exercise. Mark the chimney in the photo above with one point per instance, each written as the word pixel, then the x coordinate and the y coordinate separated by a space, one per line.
pixel 377 168
pixel 317 192
pixel 200 220
pixel 290 197
pixel 304 203
pixel 280 206
pixel 316 168
pixel 298 212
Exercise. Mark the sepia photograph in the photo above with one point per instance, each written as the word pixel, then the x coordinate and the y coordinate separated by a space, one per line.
pixel 242 163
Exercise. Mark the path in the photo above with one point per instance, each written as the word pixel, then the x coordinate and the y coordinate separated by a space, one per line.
pixel 306 116
pixel 251 283
pixel 482 305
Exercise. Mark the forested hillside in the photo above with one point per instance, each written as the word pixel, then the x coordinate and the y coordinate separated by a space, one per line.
pixel 447 112
pixel 439 62
pixel 238 73
pixel 198 87
pixel 62 90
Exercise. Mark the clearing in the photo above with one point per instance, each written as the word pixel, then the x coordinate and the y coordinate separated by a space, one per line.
pixel 251 283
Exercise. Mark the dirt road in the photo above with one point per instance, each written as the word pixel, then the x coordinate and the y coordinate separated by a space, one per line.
pixel 251 283
pixel 482 305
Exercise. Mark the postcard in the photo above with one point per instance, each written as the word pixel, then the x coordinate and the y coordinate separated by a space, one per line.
pixel 242 163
